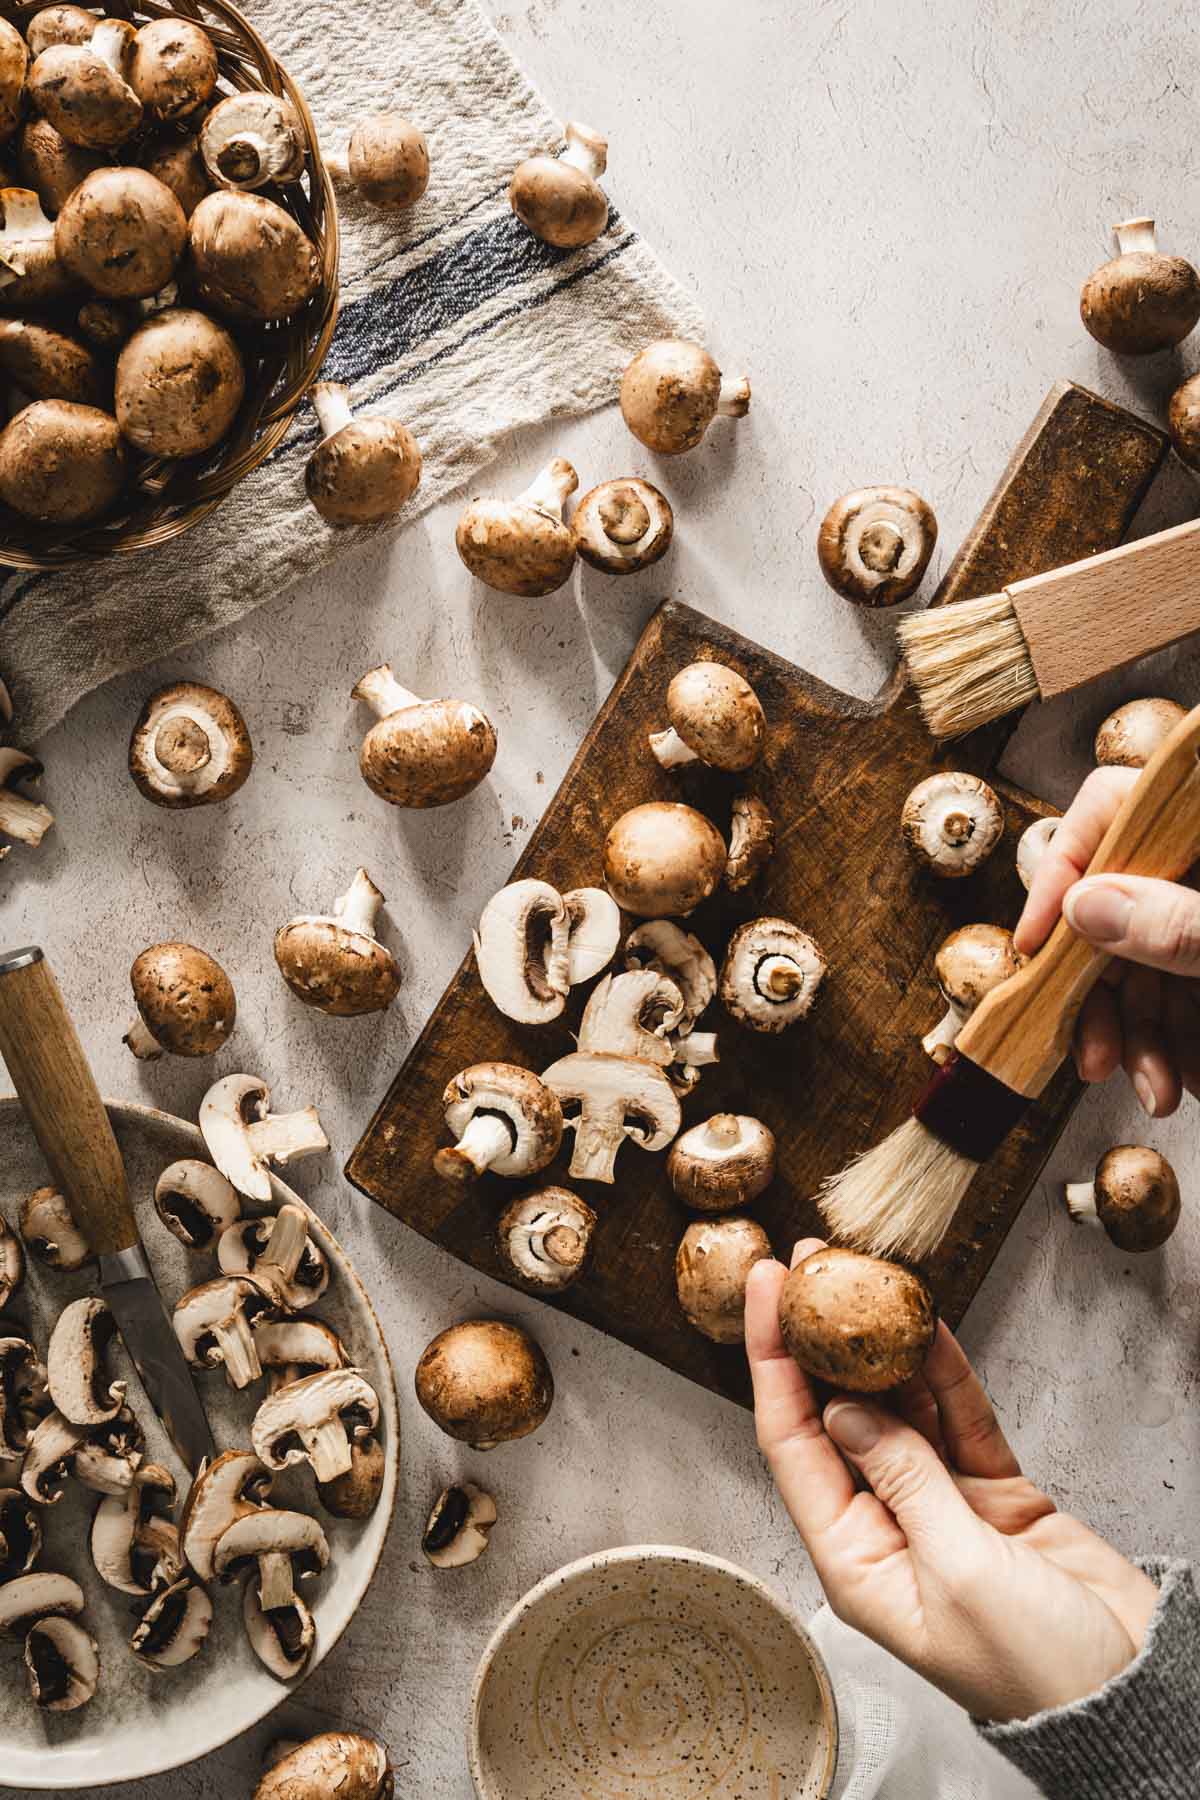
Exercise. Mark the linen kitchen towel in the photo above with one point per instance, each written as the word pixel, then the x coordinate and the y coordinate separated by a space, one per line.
pixel 454 318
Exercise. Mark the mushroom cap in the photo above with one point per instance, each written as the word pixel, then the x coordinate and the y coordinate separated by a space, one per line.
pixel 209 745
pixel 428 754
pixel 1137 1197
pixel 723 1163
pixel 50 164
pixel 61 463
pixel 388 160
pixel 48 365
pixel 516 546
pixel 1183 421
pixel 364 472
pixel 251 259
pixel 341 1763
pixel 185 998
pixel 856 1321
pixel 1141 302
pixel 662 858
pixel 268 1529
pixel 669 395
pixel 63 1662
pixel 1031 847
pixel 83 96
pixel 545 1238
pixel 972 961
pixel 717 714
pixel 172 68
pixel 178 164
pixel 180 382
pixel 559 203
pixel 952 821
pixel 59 25
pixel 755 989
pixel 14 63
pixel 532 1111
pixel 355 1494
pixel 343 973
pixel 122 233
pixel 875 543
pixel 712 1266
pixel 485 1383
pixel 1129 737
pixel 623 526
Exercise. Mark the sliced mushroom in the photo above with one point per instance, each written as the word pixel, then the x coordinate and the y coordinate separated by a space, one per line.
pixel 504 1119
pixel 662 858
pixel 62 1661
pixel 50 1231
pixel 1133 1196
pixel 196 1203
pixel 671 393
pixel 485 1383
pixel 50 1458
pixel 723 1164
pixel 1141 301
pixel 134 1544
pixel 545 1239
pixel 875 543
pixel 291 1348
pixel 970 963
pixel 1129 737
pixel 252 138
pixel 180 383
pixel 341 1763
pixel 214 1325
pixel 751 842
pixel 280 1255
pixel 366 467
pixel 12 1262
pixel 594 931
pixel 712 1266
pixel 185 1001
pixel 22 819
pixel 459 1527
pixel 355 1494
pixel 316 1420
pixel 618 1098
pixel 108 1459
pixel 250 257
pixel 282 1641
pixel 31 273
pixel 44 1595
pixel 84 89
pixel 177 163
pixel 52 166
pixel 522 546
pixel 286 1547
pixel 521 951
pixel 235 1484
pixel 1031 847
pixel 632 1015
pixel 173 1625
pixel 190 746
pixel 662 945
pixel 421 752
pixel 716 718
pixel 61 464
pixel 122 233
pixel 75 1364
pixel 952 822
pixel 771 974
pixel 17 1359
pixel 334 961
pixel 387 160
pixel 559 198
pixel 244 1137
pixel 623 526
pixel 20 1534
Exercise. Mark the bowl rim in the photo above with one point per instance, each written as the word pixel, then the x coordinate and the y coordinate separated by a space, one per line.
pixel 665 1553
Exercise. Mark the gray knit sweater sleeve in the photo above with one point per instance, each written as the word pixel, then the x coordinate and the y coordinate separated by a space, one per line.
pixel 1138 1738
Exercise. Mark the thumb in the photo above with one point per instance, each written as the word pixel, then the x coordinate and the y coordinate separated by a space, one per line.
pixel 905 1472
pixel 1146 921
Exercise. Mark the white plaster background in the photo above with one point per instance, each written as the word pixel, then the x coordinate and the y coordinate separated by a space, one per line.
pixel 886 213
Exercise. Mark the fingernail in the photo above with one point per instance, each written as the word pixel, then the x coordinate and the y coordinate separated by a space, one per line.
pixel 1098 912
pixel 1145 1093
pixel 851 1427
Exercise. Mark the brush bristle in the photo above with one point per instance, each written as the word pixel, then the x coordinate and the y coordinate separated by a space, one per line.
pixel 969 663
pixel 899 1198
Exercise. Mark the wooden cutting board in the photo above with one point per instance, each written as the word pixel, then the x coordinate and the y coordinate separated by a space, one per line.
pixel 835 776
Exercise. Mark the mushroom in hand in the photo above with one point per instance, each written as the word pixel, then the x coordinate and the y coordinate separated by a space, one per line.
pixel 84 88
pixel 771 974
pixel 459 1527
pixel 504 1119
pixel 173 68
pixel 190 746
pixel 722 1164
pixel 121 233
pixel 364 469
pixel 61 463
pixel 617 1098
pixel 952 822
pixel 521 546
pixel 63 1664
pixel 712 1267
pixel 180 382
pixel 1129 737
pixel 1142 300
pixel 662 858
pixel 75 1364
pixel 671 393
pixel 969 964
pixel 421 752
pixel 387 160
pixel 715 718
pixel 1134 1196
pixel 341 1763
pixel 214 1324
pixel 316 1420
pixel 485 1383
pixel 196 1203
pixel 545 1238
pixel 24 820
pixel 559 198
pixel 751 842
pixel 50 1231
pixel 252 138
pixel 185 1001
pixel 31 272
pixel 244 1137
pixel 623 526
pixel 279 1254
pixel 1031 847
pixel 334 961
pixel 856 1321
pixel 250 258
pixel 875 543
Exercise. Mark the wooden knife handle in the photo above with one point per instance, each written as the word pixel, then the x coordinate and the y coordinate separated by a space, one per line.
pixel 58 1091
pixel 1023 1030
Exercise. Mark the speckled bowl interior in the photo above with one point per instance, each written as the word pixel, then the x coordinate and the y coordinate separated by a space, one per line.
pixel 142 1721
pixel 652 1673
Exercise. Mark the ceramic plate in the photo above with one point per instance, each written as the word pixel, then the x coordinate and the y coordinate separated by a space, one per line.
pixel 652 1673
pixel 142 1722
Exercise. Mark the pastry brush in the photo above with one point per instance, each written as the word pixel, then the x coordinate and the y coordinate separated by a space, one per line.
pixel 978 659
pixel 899 1198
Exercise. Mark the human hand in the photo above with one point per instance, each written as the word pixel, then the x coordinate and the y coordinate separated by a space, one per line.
pixel 1144 1015
pixel 942 1551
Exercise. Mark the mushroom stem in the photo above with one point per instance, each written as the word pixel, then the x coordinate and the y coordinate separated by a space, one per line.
pixel 356 909
pixel 1081 1202
pixel 722 1130
pixel 550 486
pixel 239 1352
pixel 939 1042
pixel 734 399
pixel 957 827
pixel 382 692
pixel 331 403
pixel 275 1585
pixel 280 1136
pixel 779 977
pixel 328 1449
pixel 182 745
pixel 243 156
pixel 696 1050
pixel 586 150
pixel 1134 235
pixel 670 749
pixel 142 1041
pixel 486 1138
pixel 22 819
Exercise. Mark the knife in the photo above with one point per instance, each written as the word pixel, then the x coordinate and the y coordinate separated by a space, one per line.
pixel 58 1091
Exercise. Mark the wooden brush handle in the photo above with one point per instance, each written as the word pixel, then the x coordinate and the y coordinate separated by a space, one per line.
pixel 1097 615
pixel 57 1089
pixel 1023 1030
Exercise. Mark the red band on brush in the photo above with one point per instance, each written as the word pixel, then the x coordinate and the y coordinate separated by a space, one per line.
pixel 968 1109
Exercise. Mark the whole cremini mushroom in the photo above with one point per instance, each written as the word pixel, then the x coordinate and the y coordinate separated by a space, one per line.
pixel 712 1267
pixel 64 24
pixel 176 162
pixel 334 961
pixel 185 1001
pixel 121 233
pixel 544 1239
pixel 61 463
pixel 671 393
pixel 503 1119
pixel 251 138
pixel 969 964
pixel 172 68
pixel 1142 300
pixel 250 257
pixel 485 1383
pixel 771 975
pixel 623 526
pixel 1129 737
pixel 716 718
pixel 84 89
pixel 662 859
pixel 952 822
pixel 856 1321
pixel 421 752
pixel 337 1765
pixel 875 543
pixel 559 198
pixel 364 469
pixel 387 161
pixel 1134 1196
pixel 51 165
pixel 190 746
pixel 355 1493
pixel 722 1164
pixel 1031 847
pixel 46 364
pixel 180 382
pixel 1183 421
pixel 521 546
pixel 14 64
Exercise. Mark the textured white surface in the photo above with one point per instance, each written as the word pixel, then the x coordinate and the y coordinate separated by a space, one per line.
pixel 886 213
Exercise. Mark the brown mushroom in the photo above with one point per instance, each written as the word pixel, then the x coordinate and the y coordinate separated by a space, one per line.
pixel 387 160
pixel 969 964
pixel 344 1764
pixel 751 842
pixel 24 820
pixel 59 25
pixel 63 1664
pixel 771 975
pixel 14 64
pixel 185 1001
pixel 1134 1196
pixel 716 718
pixel 662 859
pixel 723 1164
pixel 172 68
pixel 51 165
pixel 355 1493
pixel 50 1232
pixel 544 1239
pixel 671 393
pixel 177 163
pixel 1031 847
pixel 364 469
pixel 1129 737
pixel 712 1267
pixel 856 1321
pixel 190 746
pixel 623 526
pixel 485 1383
pixel 61 463
pixel 195 1202
pixel 875 543
pixel 334 961
pixel 952 822
pixel 521 546
pixel 1142 300
pixel 421 752
pixel 180 382
pixel 503 1119
pixel 251 138
pixel 245 1137
pixel 1183 421
pixel 459 1526
pixel 121 233
pixel 84 89
pixel 48 365
pixel 559 198
pixel 250 257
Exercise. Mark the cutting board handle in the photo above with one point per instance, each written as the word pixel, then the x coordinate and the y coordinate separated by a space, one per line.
pixel 56 1087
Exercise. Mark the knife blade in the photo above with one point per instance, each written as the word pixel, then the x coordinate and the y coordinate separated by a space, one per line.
pixel 56 1087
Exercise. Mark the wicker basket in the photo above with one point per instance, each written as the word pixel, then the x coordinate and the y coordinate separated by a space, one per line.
pixel 282 359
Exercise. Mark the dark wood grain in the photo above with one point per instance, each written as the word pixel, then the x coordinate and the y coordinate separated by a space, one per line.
pixel 835 776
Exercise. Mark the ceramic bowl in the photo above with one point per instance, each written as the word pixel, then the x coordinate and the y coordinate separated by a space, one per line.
pixel 652 1673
